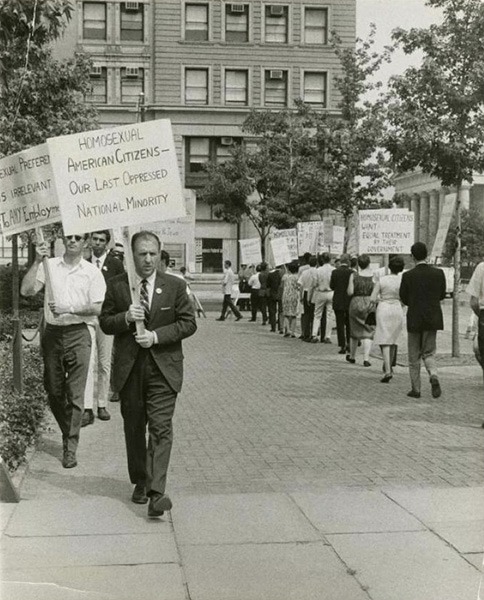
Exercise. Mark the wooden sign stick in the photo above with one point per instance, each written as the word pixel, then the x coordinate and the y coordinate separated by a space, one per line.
pixel 131 271
pixel 48 282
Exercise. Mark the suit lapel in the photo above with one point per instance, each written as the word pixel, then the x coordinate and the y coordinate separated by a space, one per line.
pixel 157 300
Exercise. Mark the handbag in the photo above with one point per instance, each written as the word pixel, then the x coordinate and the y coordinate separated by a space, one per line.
pixel 371 318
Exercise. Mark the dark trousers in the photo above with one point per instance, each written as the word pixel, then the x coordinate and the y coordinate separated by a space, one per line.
pixel 307 317
pixel 254 303
pixel 148 399
pixel 342 327
pixel 228 303
pixel 480 336
pixel 66 352
pixel 262 302
pixel 274 308
pixel 322 326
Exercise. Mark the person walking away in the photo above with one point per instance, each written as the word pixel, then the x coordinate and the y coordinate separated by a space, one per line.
pixel 263 291
pixel 274 279
pixel 102 344
pixel 290 299
pixel 243 285
pixel 78 290
pixel 475 289
pixel 385 298
pixel 341 302
pixel 148 367
pixel 254 284
pixel 360 288
pixel 307 281
pixel 422 290
pixel 323 299
pixel 227 286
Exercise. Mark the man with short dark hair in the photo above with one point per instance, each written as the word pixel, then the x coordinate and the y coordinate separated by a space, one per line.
pixel 78 290
pixel 102 346
pixel 148 366
pixel 341 302
pixel 323 299
pixel 227 285
pixel 422 290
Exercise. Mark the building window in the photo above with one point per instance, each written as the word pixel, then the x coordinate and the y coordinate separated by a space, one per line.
pixel 236 81
pixel 212 255
pixel 315 89
pixel 236 22
pixel 99 85
pixel 132 15
pixel 132 84
pixel 198 154
pixel 275 90
pixel 196 86
pixel 316 26
pixel 196 22
pixel 94 21
pixel 276 24
pixel 223 149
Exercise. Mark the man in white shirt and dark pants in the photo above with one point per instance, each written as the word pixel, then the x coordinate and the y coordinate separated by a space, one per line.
pixel 227 285
pixel 323 299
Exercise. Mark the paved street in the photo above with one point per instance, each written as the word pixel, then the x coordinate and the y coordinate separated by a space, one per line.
pixel 294 475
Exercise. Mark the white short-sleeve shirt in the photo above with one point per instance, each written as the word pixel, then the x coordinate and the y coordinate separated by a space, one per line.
pixel 476 284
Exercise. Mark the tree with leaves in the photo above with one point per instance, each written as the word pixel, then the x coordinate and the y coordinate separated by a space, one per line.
pixel 436 110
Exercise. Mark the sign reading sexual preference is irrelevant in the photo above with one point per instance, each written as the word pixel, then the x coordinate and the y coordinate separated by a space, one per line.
pixel 385 231
pixel 115 177
pixel 27 193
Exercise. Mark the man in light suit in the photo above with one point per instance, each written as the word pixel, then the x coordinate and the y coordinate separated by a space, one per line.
pixel 422 289
pixel 148 367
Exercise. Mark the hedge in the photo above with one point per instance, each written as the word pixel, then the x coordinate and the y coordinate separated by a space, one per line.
pixel 21 415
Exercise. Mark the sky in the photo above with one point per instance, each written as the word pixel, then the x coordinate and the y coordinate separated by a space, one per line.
pixel 388 15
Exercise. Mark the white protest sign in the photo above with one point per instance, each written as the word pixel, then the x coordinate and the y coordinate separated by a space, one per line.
pixel 250 253
pixel 352 248
pixel 328 231
pixel 385 231
pixel 444 224
pixel 27 192
pixel 177 231
pixel 115 177
pixel 291 239
pixel 338 240
pixel 280 251
pixel 308 236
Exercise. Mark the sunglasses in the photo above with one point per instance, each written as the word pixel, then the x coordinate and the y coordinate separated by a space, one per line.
pixel 78 238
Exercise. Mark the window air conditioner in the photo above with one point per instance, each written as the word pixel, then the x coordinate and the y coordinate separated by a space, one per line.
pixel 96 71
pixel 132 71
pixel 132 5
pixel 277 10
pixel 226 141
pixel 276 74
pixel 237 8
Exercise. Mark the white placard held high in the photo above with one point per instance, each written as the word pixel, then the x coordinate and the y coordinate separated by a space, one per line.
pixel 115 177
pixel 250 252
pixel 385 231
pixel 291 239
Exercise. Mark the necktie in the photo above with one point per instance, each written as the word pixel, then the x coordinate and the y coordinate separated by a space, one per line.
pixel 145 301
pixel 98 263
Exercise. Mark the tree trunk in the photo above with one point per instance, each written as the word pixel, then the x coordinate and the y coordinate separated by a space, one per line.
pixel 457 269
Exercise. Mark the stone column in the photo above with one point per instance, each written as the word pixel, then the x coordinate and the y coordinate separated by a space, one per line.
pixel 415 208
pixel 465 196
pixel 424 218
pixel 433 216
pixel 442 195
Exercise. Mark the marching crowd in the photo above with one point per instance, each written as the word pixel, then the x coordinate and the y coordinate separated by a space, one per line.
pixel 367 308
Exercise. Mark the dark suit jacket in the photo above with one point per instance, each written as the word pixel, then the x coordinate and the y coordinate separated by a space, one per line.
pixel 171 317
pixel 422 289
pixel 339 284
pixel 112 266
pixel 273 284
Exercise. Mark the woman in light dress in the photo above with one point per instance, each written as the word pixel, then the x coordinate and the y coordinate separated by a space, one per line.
pixel 389 314
pixel 290 299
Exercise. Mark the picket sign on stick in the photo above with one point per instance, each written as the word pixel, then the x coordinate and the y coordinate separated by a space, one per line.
pixel 131 271
pixel 48 282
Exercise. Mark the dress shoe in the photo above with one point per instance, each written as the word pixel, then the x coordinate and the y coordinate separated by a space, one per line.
pixel 114 397
pixel 413 394
pixel 158 504
pixel 366 363
pixel 69 459
pixel 350 360
pixel 287 334
pixel 342 350
pixel 87 418
pixel 220 319
pixel 386 378
pixel 435 384
pixel 139 494
pixel 252 320
pixel 314 340
pixel 239 317
pixel 103 414
pixel 327 341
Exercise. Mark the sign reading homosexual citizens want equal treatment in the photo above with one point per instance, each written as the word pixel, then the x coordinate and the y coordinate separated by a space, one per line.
pixel 385 231
pixel 110 178
pixel 27 192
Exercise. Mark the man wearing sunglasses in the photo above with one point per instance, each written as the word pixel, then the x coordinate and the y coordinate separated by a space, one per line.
pixel 78 290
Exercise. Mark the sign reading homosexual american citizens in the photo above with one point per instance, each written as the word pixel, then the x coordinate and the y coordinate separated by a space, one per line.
pixel 27 192
pixel 385 231
pixel 115 177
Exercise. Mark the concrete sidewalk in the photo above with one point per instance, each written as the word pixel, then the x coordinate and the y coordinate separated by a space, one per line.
pixel 294 476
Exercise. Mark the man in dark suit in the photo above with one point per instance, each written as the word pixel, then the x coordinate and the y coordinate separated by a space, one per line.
pixel 422 289
pixel 341 302
pixel 148 367
pixel 102 344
